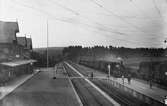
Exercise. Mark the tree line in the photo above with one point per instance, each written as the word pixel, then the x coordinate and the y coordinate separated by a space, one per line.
pixel 75 51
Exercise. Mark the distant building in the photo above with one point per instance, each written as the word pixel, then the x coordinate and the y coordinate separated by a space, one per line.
pixel 25 42
pixel 8 32
pixel 22 41
pixel 29 43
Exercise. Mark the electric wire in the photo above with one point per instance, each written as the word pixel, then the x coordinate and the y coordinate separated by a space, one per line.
pixel 44 12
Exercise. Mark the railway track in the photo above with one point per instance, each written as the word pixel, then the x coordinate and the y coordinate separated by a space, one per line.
pixel 120 96
pixel 88 95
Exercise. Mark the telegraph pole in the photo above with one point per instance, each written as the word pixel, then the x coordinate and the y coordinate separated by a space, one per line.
pixel 47 45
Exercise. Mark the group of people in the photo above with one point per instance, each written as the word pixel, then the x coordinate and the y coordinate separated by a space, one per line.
pixel 128 78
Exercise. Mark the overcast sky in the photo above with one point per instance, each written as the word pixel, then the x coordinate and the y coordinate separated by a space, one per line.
pixel 129 23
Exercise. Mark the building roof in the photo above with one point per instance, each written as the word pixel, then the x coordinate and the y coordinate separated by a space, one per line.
pixel 8 31
pixel 22 41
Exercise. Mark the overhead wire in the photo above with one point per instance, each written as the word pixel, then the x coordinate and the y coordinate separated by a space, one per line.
pixel 146 15
pixel 119 17
pixel 78 14
pixel 73 11
pixel 44 12
pixel 156 7
pixel 59 19
pixel 139 9
pixel 132 1
pixel 104 28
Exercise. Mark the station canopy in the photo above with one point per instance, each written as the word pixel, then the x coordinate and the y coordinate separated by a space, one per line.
pixel 18 63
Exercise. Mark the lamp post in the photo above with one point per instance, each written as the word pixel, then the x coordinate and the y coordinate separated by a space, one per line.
pixel 151 73
pixel 120 68
pixel 54 71
pixel 109 69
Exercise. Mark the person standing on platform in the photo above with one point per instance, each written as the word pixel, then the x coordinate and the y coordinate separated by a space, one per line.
pixel 150 83
pixel 123 79
pixel 92 75
pixel 55 72
pixel 129 78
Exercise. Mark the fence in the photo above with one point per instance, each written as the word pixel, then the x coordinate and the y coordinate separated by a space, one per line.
pixel 135 94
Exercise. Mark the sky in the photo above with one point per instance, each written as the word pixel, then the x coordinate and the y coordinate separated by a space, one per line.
pixel 128 23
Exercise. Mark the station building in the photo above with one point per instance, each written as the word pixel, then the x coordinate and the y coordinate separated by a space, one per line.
pixel 15 54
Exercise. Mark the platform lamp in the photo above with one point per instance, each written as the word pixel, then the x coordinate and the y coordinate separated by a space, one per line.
pixel 109 70
pixel 120 59
pixel 151 73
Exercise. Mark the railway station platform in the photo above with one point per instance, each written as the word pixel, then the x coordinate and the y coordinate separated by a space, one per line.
pixel 13 84
pixel 138 86
pixel 42 90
